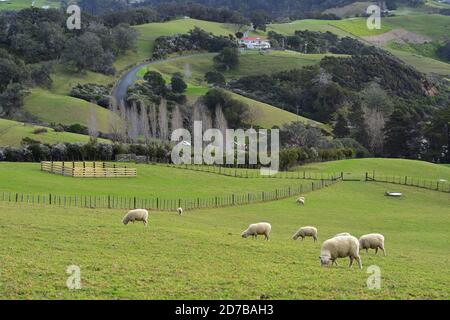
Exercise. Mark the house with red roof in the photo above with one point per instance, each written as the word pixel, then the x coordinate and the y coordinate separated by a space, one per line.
pixel 254 43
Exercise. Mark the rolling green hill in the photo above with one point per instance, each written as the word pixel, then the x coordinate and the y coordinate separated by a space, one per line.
pixel 251 63
pixel 397 167
pixel 201 254
pixel 54 108
pixel 12 133
pixel 434 26
pixel 22 4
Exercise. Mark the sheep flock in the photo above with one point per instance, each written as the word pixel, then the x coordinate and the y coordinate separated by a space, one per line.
pixel 341 245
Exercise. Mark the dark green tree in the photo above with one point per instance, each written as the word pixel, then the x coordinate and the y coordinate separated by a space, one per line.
pixel 178 84
pixel 402 135
pixel 341 129
pixel 215 78
pixel 156 82
pixel 259 19
pixel 227 59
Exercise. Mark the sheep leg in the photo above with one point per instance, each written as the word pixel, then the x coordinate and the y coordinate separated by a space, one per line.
pixel 267 237
pixel 367 250
pixel 351 262
pixel 376 250
pixel 384 251
pixel 334 262
pixel 315 239
pixel 359 262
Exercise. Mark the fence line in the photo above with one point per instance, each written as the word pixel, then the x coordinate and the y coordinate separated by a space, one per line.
pixel 255 173
pixel 87 169
pixel 159 203
pixel 434 185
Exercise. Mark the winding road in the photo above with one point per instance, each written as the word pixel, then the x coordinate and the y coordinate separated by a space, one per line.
pixel 129 77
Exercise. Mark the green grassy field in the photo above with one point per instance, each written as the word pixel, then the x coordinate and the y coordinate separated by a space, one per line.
pixel 12 133
pixel 22 4
pixel 49 107
pixel 154 181
pixel 398 167
pixel 201 255
pixel 149 32
pixel 251 63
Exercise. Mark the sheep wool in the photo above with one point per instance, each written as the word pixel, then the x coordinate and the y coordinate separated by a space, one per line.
pixel 372 241
pixel 262 228
pixel 180 211
pixel 340 247
pixel 301 201
pixel 136 215
pixel 306 232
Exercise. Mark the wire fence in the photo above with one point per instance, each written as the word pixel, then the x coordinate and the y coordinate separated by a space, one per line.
pixel 160 203
pixel 441 185
pixel 255 173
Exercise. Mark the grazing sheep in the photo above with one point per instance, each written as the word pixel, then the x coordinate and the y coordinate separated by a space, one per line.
pixel 342 234
pixel 306 232
pixel 180 211
pixel 340 247
pixel 258 229
pixel 136 215
pixel 372 241
pixel 301 200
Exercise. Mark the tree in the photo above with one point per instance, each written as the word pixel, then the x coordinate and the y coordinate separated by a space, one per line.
pixel 239 35
pixel 178 84
pixel 86 53
pixel 215 78
pixel 259 19
pixel 155 81
pixel 444 51
pixel 124 38
pixel 227 59
pixel 358 124
pixel 11 99
pixel 341 129
pixel 402 135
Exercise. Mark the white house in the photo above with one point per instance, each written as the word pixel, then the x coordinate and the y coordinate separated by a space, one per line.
pixel 254 43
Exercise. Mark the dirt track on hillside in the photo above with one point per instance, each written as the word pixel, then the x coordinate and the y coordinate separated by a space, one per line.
pixel 397 35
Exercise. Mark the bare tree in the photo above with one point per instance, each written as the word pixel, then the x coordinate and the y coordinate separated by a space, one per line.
pixel 116 121
pixel 220 120
pixel 92 122
pixel 177 119
pixel 145 126
pixel 375 122
pixel 133 122
pixel 153 120
pixel 163 121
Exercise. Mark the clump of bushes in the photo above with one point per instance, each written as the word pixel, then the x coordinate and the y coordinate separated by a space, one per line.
pixel 92 92
pixel 40 131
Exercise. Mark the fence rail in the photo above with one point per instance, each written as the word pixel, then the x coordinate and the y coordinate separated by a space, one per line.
pixel 429 184
pixel 163 204
pixel 88 169
pixel 255 173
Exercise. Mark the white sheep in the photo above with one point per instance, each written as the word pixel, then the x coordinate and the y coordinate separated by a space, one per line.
pixel 372 241
pixel 258 229
pixel 342 234
pixel 306 232
pixel 301 200
pixel 340 247
pixel 136 215
pixel 180 211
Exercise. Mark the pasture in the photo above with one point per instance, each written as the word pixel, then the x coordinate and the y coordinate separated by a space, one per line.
pixel 12 133
pixel 201 255
pixel 22 4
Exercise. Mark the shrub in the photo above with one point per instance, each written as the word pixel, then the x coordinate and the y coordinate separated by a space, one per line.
pixel 40 131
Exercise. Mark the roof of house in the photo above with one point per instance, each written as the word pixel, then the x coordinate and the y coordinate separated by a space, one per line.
pixel 252 39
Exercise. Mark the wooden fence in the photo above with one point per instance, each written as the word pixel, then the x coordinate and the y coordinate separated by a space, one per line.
pixel 88 169
pixel 163 204
pixel 255 173
pixel 435 185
